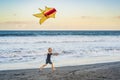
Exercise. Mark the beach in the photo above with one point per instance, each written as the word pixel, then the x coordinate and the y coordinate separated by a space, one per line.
pixel 83 55
pixel 29 48
pixel 101 71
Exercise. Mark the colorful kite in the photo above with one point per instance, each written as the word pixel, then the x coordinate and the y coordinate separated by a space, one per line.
pixel 45 14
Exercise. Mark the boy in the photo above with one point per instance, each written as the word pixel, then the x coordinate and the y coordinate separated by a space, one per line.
pixel 48 60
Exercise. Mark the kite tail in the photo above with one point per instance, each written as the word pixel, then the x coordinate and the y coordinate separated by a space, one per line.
pixel 39 15
pixel 43 19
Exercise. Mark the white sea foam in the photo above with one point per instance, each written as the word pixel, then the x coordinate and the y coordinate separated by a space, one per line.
pixel 20 50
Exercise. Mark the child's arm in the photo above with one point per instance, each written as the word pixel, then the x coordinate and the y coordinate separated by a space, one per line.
pixel 55 54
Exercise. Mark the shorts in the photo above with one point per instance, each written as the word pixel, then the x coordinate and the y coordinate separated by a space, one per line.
pixel 48 61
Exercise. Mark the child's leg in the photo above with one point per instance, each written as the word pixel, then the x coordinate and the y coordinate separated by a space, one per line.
pixel 53 68
pixel 43 66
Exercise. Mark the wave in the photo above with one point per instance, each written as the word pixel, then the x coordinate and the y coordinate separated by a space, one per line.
pixel 56 39
pixel 23 49
pixel 50 33
pixel 14 56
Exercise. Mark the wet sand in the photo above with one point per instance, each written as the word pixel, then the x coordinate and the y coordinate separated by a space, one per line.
pixel 102 71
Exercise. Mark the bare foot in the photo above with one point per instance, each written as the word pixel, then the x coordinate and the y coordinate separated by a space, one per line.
pixel 53 69
pixel 40 69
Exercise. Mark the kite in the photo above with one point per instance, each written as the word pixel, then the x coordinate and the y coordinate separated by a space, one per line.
pixel 45 14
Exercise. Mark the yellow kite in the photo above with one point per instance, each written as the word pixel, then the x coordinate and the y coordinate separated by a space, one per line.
pixel 45 14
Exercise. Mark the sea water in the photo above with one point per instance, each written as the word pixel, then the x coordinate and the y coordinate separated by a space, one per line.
pixel 28 49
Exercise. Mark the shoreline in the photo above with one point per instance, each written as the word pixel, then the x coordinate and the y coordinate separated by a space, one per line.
pixel 99 71
pixel 61 63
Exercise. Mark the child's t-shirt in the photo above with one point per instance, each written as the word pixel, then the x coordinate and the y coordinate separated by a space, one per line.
pixel 49 56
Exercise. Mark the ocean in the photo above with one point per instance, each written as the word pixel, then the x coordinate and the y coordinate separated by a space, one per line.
pixel 27 49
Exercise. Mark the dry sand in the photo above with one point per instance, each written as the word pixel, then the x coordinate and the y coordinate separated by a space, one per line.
pixel 102 71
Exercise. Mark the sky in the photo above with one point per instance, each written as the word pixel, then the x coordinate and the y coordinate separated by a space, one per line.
pixel 71 15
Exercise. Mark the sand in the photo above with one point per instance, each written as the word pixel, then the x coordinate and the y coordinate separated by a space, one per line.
pixel 102 71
